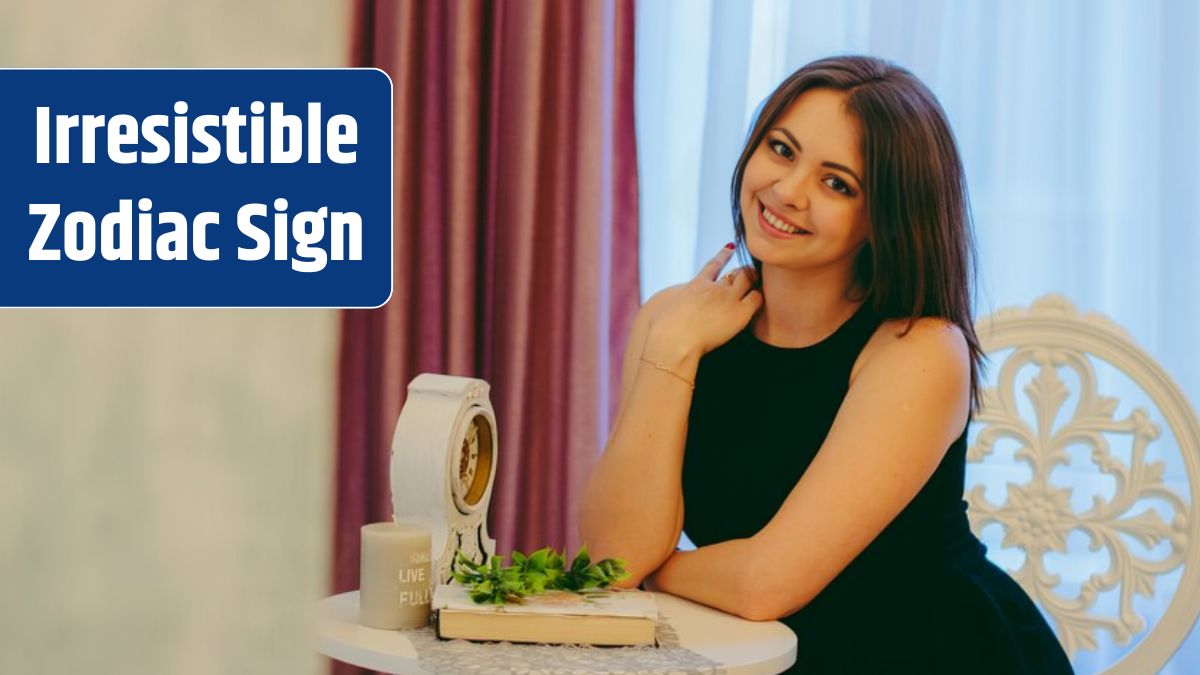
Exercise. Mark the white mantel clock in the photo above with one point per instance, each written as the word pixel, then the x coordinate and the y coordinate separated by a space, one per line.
pixel 444 464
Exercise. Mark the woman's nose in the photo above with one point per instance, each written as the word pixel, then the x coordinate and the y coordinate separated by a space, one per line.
pixel 792 190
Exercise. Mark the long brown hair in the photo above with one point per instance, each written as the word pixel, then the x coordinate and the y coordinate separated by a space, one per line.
pixel 919 257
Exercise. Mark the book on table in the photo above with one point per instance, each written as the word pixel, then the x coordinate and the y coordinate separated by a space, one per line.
pixel 612 617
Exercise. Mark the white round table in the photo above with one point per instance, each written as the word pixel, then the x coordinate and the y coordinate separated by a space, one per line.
pixel 726 643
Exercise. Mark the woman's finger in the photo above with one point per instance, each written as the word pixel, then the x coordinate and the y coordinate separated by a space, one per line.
pixel 742 280
pixel 713 267
pixel 752 302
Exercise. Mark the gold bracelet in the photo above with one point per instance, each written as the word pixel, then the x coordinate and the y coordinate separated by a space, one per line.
pixel 665 369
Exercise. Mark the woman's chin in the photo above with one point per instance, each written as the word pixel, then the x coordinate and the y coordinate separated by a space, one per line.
pixel 765 253
pixel 774 259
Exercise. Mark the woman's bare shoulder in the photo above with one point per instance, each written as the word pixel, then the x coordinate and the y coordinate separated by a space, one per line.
pixel 927 333
pixel 662 295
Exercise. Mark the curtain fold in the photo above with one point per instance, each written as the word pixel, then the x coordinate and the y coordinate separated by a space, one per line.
pixel 515 249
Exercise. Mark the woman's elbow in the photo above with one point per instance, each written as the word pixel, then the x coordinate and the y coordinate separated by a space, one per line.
pixel 760 607
pixel 639 561
pixel 769 596
pixel 760 611
pixel 628 582
pixel 638 569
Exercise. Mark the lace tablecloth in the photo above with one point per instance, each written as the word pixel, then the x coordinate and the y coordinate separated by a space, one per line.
pixel 460 656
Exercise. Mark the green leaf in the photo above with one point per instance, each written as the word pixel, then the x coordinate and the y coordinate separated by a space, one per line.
pixel 543 570
pixel 539 559
pixel 582 560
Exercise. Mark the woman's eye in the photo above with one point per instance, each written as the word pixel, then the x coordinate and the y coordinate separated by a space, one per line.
pixel 839 185
pixel 780 148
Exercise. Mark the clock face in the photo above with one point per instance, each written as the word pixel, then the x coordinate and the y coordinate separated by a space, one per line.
pixel 474 462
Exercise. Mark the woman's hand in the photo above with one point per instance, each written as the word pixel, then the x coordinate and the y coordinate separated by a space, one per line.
pixel 706 312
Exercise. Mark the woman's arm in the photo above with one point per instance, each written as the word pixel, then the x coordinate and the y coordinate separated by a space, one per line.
pixel 714 575
pixel 904 409
pixel 632 505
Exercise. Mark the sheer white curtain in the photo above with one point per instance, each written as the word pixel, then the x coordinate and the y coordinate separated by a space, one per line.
pixel 1078 125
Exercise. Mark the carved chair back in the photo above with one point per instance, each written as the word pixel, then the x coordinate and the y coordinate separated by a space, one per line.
pixel 1146 522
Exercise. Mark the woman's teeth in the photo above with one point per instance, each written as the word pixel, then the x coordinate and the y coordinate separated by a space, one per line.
pixel 779 224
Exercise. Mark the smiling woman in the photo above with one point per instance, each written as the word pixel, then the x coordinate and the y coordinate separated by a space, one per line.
pixel 795 189
pixel 818 463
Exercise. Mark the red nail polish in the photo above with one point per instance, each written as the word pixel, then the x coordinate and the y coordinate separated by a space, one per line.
pixel 730 245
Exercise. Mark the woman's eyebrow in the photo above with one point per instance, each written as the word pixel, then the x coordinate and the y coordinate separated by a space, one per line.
pixel 832 165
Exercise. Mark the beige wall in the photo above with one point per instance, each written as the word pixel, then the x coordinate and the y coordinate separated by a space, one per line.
pixel 165 474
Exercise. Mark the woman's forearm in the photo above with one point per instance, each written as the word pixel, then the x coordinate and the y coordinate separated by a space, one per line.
pixel 713 575
pixel 631 504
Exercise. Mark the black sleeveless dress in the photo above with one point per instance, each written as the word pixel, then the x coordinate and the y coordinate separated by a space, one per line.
pixel 922 597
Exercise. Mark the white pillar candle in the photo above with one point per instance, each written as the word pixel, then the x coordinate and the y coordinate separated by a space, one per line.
pixel 395 576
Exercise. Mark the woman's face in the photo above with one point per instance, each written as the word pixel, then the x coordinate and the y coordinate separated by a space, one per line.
pixel 806 175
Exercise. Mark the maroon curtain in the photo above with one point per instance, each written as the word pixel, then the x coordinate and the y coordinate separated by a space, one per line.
pixel 515 248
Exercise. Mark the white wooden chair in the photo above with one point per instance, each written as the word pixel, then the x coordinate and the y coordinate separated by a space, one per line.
pixel 1037 515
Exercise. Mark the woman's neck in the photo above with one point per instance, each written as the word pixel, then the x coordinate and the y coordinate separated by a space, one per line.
pixel 801 308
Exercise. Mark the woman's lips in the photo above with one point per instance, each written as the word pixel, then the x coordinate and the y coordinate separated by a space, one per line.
pixel 771 230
